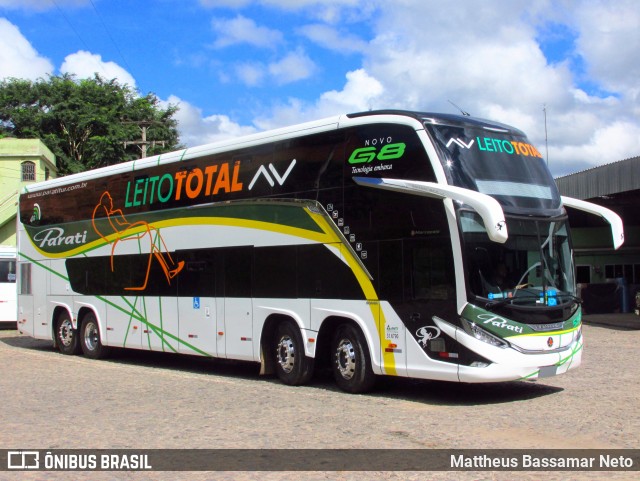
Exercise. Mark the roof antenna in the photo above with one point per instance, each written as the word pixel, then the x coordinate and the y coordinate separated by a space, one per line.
pixel 466 114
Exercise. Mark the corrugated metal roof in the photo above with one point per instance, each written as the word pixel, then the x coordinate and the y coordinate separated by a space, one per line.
pixel 614 178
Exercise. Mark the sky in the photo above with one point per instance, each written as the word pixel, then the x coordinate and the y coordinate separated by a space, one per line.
pixel 566 72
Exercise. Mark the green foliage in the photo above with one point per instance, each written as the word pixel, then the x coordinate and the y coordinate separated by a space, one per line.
pixel 85 123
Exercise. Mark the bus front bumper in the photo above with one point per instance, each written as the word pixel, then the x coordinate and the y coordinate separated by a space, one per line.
pixel 513 363
pixel 509 364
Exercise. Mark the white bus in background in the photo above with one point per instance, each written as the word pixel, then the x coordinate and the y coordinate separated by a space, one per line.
pixel 391 243
pixel 8 305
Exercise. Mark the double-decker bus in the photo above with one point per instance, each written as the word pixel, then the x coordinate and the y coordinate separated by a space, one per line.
pixel 378 243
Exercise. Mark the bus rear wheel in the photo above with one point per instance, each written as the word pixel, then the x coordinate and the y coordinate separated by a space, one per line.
pixel 351 362
pixel 92 347
pixel 291 365
pixel 66 335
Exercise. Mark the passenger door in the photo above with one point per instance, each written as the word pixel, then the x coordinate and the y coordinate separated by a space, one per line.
pixel 197 306
pixel 238 304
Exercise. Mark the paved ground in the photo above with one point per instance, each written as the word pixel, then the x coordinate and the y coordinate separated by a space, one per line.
pixel 145 400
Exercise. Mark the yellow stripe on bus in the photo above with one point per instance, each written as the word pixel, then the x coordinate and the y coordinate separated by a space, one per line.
pixel 329 236
pixel 388 358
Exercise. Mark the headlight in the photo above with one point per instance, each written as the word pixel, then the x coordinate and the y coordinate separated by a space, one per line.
pixel 479 333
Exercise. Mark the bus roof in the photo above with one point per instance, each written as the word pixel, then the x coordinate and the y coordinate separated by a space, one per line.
pixel 416 119
pixel 444 119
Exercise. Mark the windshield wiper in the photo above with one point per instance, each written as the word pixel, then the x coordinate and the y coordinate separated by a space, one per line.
pixel 493 304
pixel 576 299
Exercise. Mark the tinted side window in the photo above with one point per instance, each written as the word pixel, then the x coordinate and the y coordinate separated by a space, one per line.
pixel 198 277
pixel 321 274
pixel 8 270
pixel 275 272
pixel 390 280
pixel 237 271
pixel 318 163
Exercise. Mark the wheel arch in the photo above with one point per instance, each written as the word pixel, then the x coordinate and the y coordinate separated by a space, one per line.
pixel 83 310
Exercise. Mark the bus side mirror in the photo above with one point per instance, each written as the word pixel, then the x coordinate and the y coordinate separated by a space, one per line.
pixel 617 229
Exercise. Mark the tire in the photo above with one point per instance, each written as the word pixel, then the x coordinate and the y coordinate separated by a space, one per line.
pixel 66 335
pixel 291 365
pixel 90 342
pixel 351 361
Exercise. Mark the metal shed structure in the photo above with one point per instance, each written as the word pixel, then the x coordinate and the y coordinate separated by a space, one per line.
pixel 609 279
pixel 606 180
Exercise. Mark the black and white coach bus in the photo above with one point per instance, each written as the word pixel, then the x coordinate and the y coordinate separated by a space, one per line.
pixel 379 243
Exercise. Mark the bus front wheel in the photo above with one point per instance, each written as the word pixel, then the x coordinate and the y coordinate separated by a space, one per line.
pixel 351 362
pixel 291 365
pixel 66 335
pixel 92 347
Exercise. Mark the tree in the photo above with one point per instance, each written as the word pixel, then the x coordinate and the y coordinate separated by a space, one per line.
pixel 86 122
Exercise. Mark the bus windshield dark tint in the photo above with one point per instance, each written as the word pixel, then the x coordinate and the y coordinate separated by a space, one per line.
pixel 500 164
pixel 534 268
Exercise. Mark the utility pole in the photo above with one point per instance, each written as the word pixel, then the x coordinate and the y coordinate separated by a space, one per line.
pixel 546 138
pixel 143 142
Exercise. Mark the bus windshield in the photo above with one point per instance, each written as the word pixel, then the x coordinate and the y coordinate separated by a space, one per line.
pixel 534 268
pixel 502 164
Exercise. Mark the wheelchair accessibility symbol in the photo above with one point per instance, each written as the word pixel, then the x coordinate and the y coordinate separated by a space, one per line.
pixel 196 303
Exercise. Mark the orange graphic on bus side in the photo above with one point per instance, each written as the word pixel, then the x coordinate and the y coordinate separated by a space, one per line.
pixel 126 231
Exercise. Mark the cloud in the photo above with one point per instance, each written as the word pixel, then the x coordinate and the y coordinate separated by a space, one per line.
pixel 609 41
pixel 17 57
pixel 331 39
pixel 198 130
pixel 495 59
pixel 489 61
pixel 617 141
pixel 330 11
pixel 224 3
pixel 479 55
pixel 85 64
pixel 361 92
pixel 250 74
pixel 242 30
pixel 282 4
pixel 293 67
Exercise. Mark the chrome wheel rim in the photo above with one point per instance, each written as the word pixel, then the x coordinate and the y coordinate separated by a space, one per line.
pixel 91 336
pixel 285 354
pixel 346 359
pixel 65 332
